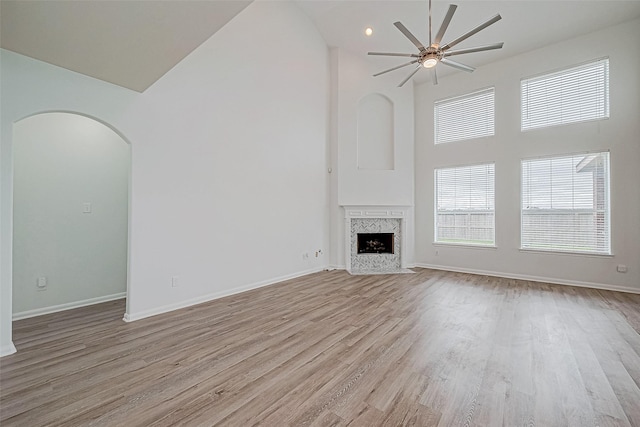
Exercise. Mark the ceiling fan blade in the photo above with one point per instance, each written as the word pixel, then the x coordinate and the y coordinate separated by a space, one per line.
pixel 445 23
pixel 434 76
pixel 395 68
pixel 410 55
pixel 472 32
pixel 430 28
pixel 457 65
pixel 410 36
pixel 410 75
pixel 474 49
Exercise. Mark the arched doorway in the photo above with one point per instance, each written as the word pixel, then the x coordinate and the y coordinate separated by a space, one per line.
pixel 70 213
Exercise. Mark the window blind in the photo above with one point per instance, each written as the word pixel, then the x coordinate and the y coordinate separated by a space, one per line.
pixel 565 203
pixel 465 205
pixel 465 117
pixel 571 95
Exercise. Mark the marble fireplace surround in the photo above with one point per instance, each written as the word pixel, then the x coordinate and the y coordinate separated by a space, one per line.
pixel 375 219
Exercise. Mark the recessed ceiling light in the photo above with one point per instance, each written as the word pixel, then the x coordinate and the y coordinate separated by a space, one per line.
pixel 368 31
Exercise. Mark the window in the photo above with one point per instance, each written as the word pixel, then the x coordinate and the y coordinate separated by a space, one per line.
pixel 465 207
pixel 572 95
pixel 465 117
pixel 565 203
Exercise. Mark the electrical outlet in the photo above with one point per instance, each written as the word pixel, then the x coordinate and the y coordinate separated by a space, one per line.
pixel 622 268
pixel 174 281
pixel 41 283
pixel 305 256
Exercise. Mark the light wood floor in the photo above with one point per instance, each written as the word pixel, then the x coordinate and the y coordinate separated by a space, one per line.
pixel 329 349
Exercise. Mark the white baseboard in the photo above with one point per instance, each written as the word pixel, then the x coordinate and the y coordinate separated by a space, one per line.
pixel 344 267
pixel 7 349
pixel 551 280
pixel 131 317
pixel 67 306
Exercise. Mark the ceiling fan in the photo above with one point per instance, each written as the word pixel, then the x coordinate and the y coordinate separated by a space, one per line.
pixel 429 57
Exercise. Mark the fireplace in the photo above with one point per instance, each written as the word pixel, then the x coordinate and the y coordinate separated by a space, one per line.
pixel 376 239
pixel 375 243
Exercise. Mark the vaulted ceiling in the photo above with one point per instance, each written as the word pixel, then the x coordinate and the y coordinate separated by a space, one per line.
pixel 132 43
pixel 525 25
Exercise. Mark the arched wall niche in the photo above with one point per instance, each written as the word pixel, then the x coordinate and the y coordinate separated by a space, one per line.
pixel 376 147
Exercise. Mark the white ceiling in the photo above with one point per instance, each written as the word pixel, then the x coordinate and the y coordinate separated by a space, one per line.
pixel 525 25
pixel 133 43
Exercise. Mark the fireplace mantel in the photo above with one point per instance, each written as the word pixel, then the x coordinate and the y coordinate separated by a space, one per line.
pixel 352 212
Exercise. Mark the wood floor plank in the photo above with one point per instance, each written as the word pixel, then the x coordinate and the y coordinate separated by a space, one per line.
pixel 432 348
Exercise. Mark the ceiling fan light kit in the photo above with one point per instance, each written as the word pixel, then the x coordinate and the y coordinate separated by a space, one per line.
pixel 429 57
pixel 430 61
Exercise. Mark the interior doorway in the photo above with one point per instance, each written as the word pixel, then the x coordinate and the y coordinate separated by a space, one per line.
pixel 70 213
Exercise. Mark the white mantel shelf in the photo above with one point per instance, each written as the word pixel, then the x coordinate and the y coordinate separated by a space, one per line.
pixel 370 211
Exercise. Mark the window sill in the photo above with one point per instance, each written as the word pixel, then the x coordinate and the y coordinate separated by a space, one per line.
pixel 578 254
pixel 465 245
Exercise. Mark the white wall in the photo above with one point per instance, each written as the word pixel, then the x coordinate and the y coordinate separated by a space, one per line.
pixel 365 186
pixel 352 81
pixel 29 87
pixel 229 159
pixel 62 161
pixel 375 133
pixel 619 134
pixel 230 163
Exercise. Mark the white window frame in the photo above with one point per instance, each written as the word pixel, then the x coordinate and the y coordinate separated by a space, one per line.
pixel 598 242
pixel 575 94
pixel 454 127
pixel 490 243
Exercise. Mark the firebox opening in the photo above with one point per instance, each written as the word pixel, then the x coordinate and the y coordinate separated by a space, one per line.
pixel 375 243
